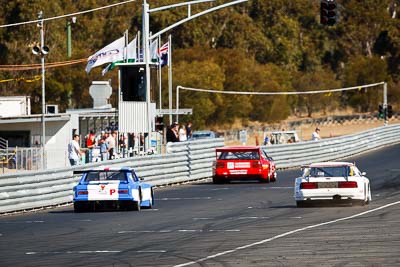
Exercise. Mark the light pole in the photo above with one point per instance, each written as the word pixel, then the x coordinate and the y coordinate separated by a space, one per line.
pixel 69 36
pixel 42 51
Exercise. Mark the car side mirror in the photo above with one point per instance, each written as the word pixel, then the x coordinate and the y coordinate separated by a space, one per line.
pixel 141 178
pixel 363 173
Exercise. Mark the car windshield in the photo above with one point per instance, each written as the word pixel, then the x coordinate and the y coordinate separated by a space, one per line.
pixel 341 171
pixel 105 176
pixel 240 155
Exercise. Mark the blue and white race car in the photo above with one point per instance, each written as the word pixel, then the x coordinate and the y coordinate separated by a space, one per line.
pixel 111 188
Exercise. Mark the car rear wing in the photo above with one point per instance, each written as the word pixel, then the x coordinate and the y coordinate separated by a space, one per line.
pixel 102 170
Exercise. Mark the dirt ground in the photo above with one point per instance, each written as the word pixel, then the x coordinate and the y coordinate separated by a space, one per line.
pixel 328 130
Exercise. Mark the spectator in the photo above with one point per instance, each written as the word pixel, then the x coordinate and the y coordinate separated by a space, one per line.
pixel 182 133
pixel 267 141
pixel 315 135
pixel 103 148
pixel 122 145
pixel 90 144
pixel 111 142
pixel 74 151
pixel 189 130
pixel 131 143
pixel 172 133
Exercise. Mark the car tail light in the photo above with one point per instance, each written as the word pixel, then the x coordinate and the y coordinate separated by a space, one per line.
pixel 350 184
pixel 83 192
pixel 308 185
pixel 123 191
pixel 256 164
pixel 220 165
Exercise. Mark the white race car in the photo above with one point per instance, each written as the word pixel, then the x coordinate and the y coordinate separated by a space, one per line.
pixel 332 181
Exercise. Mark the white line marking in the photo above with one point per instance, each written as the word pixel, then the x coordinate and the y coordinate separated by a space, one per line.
pixel 284 234
pixel 195 219
pixel 179 231
pixel 151 251
pixel 251 218
pixel 217 189
pixel 295 217
pixel 233 230
pixel 183 198
pixel 74 252
pixel 22 222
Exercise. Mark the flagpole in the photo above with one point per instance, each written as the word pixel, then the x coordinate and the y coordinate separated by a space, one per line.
pixel 170 78
pixel 159 71
pixel 138 46
pixel 126 46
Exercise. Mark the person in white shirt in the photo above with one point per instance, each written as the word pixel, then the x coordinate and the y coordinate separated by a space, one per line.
pixel 74 151
pixel 111 142
pixel 315 135
pixel 182 133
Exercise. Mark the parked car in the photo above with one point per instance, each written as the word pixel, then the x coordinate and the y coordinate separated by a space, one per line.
pixel 111 188
pixel 332 182
pixel 243 162
pixel 203 135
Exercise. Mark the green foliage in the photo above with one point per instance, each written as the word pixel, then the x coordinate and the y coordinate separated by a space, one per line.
pixel 258 46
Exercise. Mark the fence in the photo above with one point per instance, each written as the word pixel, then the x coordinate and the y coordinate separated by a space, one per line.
pixel 21 159
pixel 185 161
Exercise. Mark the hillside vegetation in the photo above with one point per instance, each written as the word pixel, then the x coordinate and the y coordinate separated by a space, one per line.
pixel 260 46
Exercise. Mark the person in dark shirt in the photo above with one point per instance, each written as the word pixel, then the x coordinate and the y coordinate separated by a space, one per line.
pixel 172 133
pixel 189 130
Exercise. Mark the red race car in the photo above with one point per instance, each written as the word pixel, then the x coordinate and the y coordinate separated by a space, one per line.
pixel 243 162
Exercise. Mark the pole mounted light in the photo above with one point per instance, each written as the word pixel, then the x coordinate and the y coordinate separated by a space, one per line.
pixel 42 50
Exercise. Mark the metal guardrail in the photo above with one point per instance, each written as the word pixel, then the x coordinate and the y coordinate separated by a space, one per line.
pixel 185 161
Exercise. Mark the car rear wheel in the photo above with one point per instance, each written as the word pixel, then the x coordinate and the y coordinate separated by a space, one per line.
pixel 301 204
pixel 135 205
pixel 217 180
pixel 150 206
pixel 273 178
pixel 80 207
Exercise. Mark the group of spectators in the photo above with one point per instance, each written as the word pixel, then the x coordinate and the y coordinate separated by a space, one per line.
pixel 179 133
pixel 105 142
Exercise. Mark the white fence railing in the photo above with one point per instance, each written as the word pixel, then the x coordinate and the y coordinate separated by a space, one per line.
pixel 186 161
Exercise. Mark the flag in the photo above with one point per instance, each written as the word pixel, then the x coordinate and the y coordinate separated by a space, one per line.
pixel 131 56
pixel 163 53
pixel 110 53
pixel 154 51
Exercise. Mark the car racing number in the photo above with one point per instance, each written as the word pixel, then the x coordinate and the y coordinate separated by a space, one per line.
pixel 104 190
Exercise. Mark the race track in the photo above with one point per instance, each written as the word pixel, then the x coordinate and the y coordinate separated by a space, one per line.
pixel 202 224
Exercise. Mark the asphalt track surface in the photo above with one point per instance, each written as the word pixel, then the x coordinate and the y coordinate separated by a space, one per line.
pixel 202 224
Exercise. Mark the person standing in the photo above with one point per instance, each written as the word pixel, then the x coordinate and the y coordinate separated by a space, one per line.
pixel 172 133
pixel 90 144
pixel 103 148
pixel 74 151
pixel 122 145
pixel 189 130
pixel 315 135
pixel 111 142
pixel 182 134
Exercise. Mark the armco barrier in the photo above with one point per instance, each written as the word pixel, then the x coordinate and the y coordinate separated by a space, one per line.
pixel 185 161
